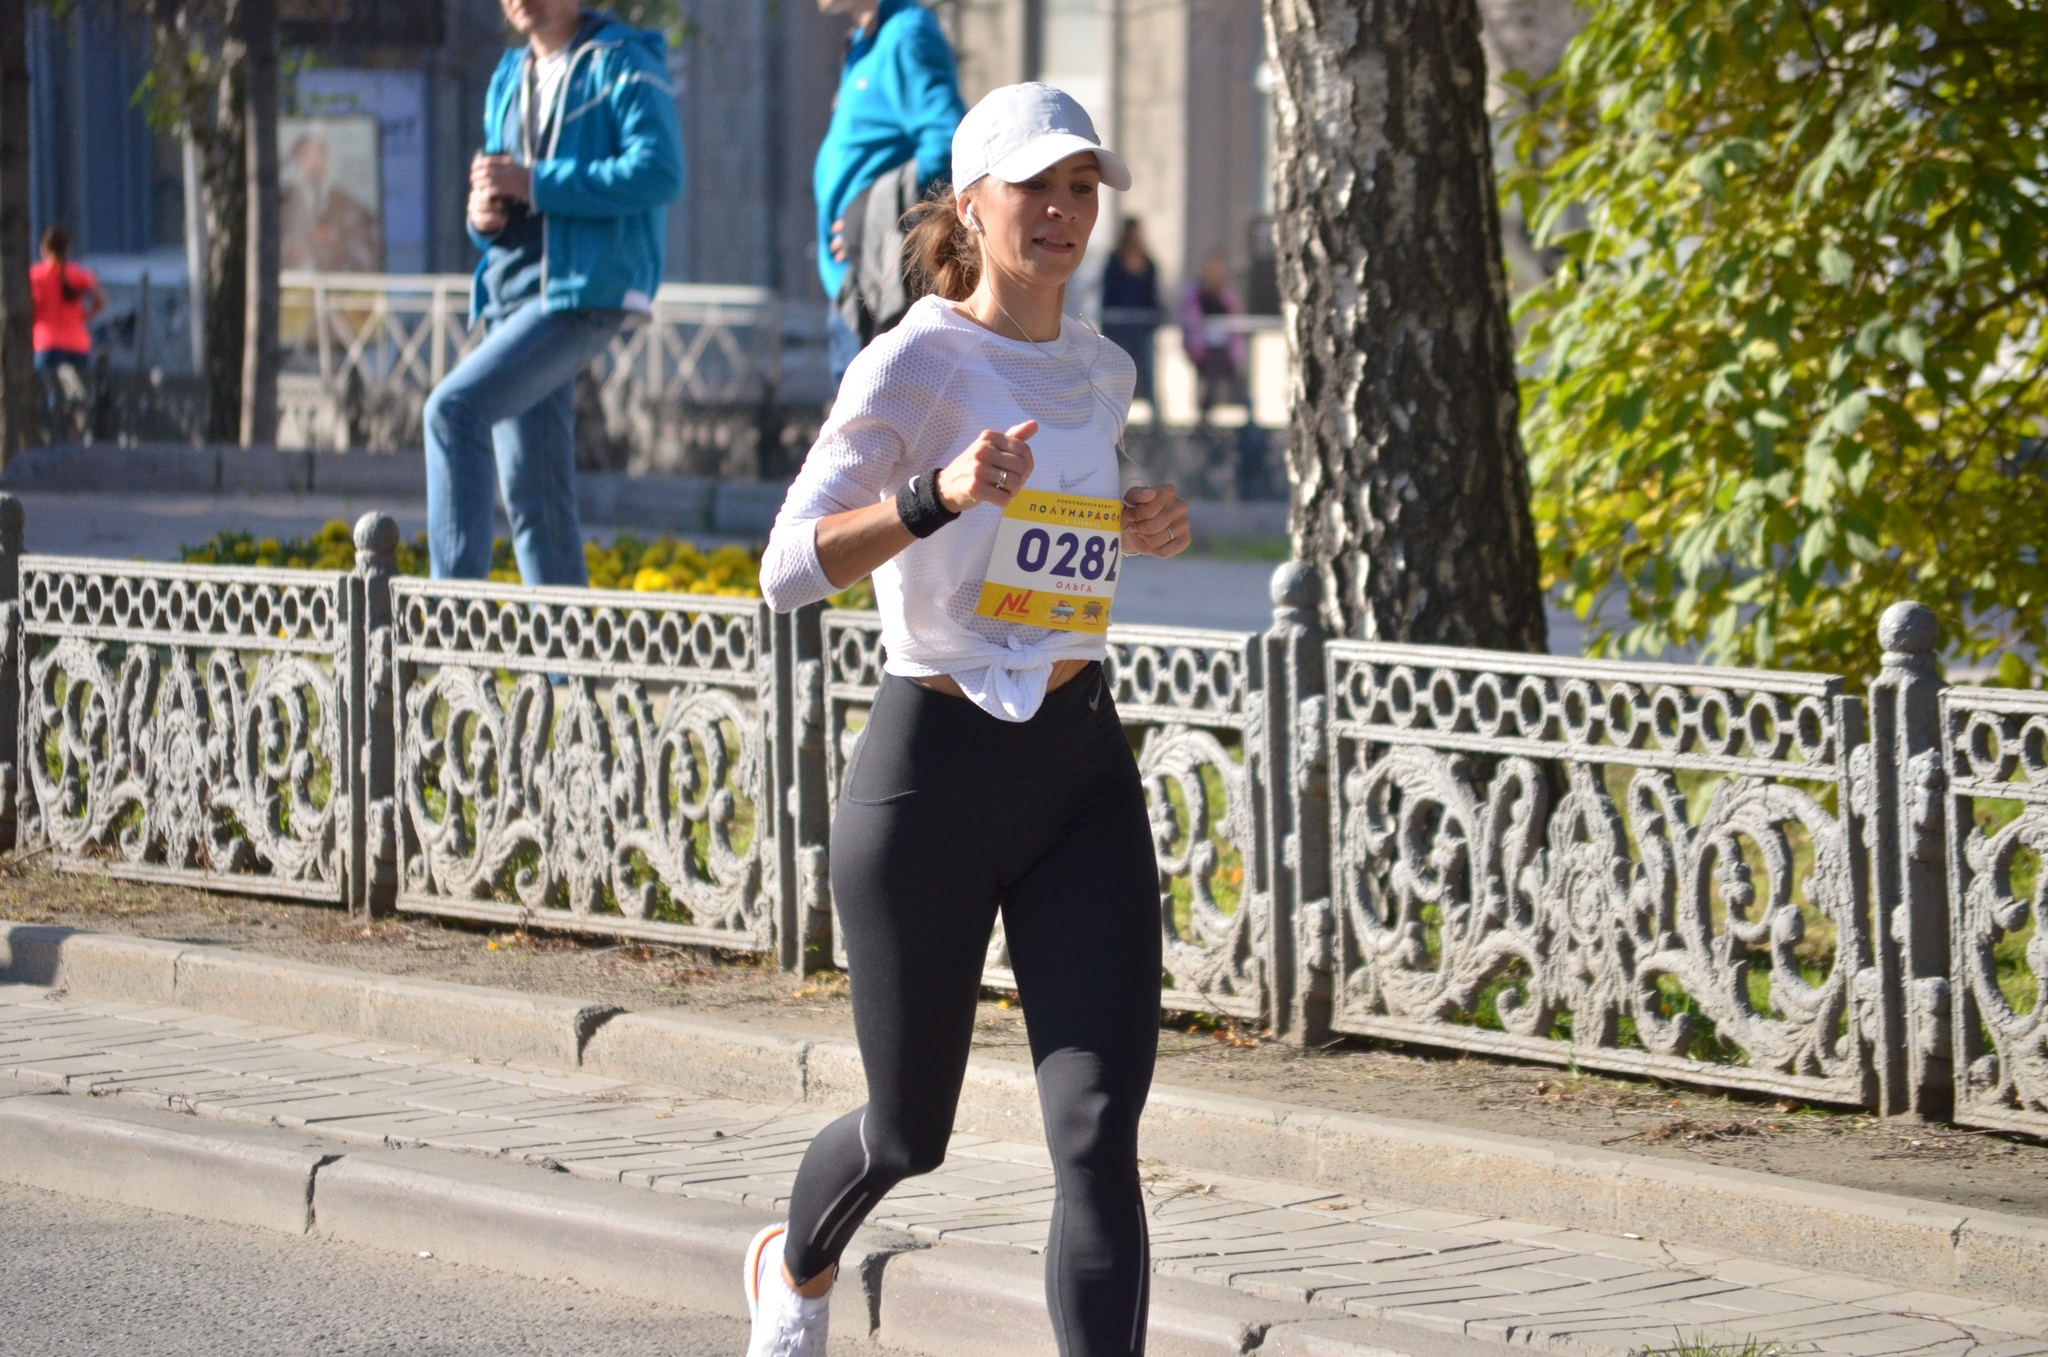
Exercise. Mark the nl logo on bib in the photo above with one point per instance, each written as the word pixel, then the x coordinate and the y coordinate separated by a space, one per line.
pixel 1055 562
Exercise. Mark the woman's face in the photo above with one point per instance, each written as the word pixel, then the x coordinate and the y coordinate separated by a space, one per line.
pixel 1036 232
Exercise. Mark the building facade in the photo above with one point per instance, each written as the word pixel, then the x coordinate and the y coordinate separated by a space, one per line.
pixel 1177 86
pixel 415 68
pixel 1174 84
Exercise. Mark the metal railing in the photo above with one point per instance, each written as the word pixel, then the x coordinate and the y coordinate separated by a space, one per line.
pixel 1751 880
pixel 362 352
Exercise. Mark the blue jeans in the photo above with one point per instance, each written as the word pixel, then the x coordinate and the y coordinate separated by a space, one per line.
pixel 513 400
pixel 49 360
pixel 842 344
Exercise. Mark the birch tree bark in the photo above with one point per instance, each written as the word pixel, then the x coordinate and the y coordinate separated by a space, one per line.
pixel 18 416
pixel 1411 495
pixel 198 84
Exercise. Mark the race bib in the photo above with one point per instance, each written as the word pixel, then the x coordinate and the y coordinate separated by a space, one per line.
pixel 1055 562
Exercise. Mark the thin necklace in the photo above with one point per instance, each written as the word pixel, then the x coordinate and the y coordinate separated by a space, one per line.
pixel 1087 376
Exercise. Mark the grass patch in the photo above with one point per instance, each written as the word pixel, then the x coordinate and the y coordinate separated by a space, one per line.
pixel 1699 1345
pixel 1274 549
pixel 1226 882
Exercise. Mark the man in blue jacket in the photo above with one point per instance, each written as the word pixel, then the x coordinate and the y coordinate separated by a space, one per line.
pixel 568 202
pixel 899 100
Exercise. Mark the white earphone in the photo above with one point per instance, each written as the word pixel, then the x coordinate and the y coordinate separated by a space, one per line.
pixel 973 222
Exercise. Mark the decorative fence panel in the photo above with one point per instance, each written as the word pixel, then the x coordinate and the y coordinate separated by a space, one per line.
pixel 1995 751
pixel 188 724
pixel 1708 875
pixel 587 760
pixel 853 676
pixel 1191 702
pixel 1649 869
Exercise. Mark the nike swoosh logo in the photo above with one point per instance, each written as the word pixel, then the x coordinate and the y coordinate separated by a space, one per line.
pixel 1095 697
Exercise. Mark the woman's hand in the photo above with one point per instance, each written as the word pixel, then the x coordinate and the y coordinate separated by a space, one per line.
pixel 1155 521
pixel 486 212
pixel 994 468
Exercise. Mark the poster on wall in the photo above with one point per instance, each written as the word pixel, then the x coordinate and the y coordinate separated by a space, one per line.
pixel 330 184
pixel 397 99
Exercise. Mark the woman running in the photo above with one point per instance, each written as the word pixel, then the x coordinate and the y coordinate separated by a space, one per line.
pixel 994 773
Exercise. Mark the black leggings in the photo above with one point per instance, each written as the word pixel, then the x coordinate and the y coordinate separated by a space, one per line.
pixel 947 815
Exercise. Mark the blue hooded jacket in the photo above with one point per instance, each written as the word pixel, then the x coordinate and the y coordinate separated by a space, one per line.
pixel 602 184
pixel 899 97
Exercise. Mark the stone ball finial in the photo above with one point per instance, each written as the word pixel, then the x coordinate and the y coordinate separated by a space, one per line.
pixel 376 532
pixel 1296 584
pixel 1908 628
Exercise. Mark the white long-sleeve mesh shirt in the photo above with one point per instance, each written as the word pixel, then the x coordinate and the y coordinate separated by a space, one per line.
pixel 912 402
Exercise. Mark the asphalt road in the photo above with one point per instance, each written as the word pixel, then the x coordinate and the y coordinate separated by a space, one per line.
pixel 86 1278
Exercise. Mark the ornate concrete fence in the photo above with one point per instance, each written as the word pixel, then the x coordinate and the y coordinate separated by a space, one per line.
pixel 590 761
pixel 1740 879
pixel 1994 746
pixel 1632 863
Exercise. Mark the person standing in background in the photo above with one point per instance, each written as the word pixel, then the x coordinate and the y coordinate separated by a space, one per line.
pixel 1130 303
pixel 65 298
pixel 898 102
pixel 568 202
pixel 1217 351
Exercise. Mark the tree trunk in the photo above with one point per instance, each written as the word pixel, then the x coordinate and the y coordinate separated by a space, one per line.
pixel 18 413
pixel 258 20
pixel 225 169
pixel 1411 495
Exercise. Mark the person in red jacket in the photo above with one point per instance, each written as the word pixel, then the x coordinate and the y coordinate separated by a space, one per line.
pixel 66 297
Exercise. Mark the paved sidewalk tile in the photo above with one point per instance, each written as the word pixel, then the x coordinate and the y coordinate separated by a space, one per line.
pixel 1570 1291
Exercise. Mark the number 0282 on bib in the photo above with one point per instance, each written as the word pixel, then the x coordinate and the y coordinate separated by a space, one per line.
pixel 1055 562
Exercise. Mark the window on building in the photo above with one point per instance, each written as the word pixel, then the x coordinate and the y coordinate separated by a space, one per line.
pixel 1077 39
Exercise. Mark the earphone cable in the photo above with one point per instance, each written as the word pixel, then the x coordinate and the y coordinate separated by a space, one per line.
pixel 1122 419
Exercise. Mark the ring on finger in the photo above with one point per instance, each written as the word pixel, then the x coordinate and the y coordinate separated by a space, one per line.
pixel 1002 480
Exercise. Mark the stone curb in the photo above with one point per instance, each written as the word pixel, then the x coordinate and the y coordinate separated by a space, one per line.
pixel 674 1250
pixel 515 1218
pixel 1804 1224
pixel 151 1160
pixel 490 1024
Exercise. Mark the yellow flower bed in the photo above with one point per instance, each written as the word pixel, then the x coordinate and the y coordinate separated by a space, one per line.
pixel 669 566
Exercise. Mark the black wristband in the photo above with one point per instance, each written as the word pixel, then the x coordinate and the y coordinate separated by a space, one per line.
pixel 920 508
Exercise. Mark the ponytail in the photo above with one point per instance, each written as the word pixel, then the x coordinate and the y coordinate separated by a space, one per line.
pixel 940 254
pixel 57 241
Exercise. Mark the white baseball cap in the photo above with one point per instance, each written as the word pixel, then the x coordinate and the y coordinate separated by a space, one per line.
pixel 1020 130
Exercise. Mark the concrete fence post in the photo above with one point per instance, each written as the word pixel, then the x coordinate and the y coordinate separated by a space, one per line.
pixel 1298 818
pixel 1908 853
pixel 373 725
pixel 12 673
pixel 801 791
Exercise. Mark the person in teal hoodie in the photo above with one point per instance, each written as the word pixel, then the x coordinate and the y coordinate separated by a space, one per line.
pixel 568 201
pixel 899 100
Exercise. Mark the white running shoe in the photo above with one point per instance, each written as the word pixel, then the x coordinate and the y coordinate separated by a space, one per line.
pixel 785 1324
